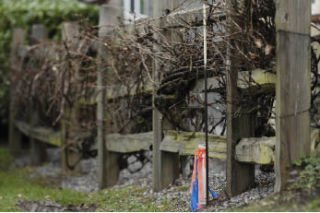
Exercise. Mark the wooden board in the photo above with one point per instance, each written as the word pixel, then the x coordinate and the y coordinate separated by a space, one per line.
pixel 257 77
pixel 249 150
pixel 293 16
pixel 239 125
pixel 262 150
pixel 186 143
pixel 70 33
pixel 158 8
pixel 176 19
pixel 191 17
pixel 39 34
pixel 129 142
pixel 15 139
pixel 108 171
pixel 256 150
pixel 293 20
pixel 43 134
pixel 120 91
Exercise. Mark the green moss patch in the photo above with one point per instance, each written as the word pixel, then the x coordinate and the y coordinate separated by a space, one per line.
pixel 16 184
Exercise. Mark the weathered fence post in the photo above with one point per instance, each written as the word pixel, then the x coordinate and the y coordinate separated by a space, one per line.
pixel 108 171
pixel 165 164
pixel 38 149
pixel 69 121
pixel 158 8
pixel 15 137
pixel 240 176
pixel 170 161
pixel 293 88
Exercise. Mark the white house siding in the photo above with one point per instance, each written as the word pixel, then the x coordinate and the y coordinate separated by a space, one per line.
pixel 316 7
pixel 142 9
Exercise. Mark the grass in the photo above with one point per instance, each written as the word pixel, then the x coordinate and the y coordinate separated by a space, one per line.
pixel 5 158
pixel 285 201
pixel 127 199
pixel 15 185
pixel 314 205
pixel 302 195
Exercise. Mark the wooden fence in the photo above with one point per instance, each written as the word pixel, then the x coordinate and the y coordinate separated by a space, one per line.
pixel 167 145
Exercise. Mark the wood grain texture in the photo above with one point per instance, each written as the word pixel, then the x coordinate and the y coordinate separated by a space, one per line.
pixel 130 142
pixel 186 143
pixel 39 34
pixel 170 161
pixel 238 126
pixel 102 149
pixel 158 11
pixel 69 121
pixel 293 16
pixel 262 150
pixel 293 85
pixel 108 170
pixel 191 17
pixel 15 137
pixel 46 135
pixel 165 164
pixel 256 150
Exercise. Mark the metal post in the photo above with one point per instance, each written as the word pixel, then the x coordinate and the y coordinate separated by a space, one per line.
pixel 206 96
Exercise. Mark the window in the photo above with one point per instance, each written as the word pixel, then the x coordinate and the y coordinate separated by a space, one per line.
pixel 316 7
pixel 132 6
pixel 134 10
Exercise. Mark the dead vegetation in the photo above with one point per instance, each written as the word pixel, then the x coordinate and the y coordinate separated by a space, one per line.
pixel 56 77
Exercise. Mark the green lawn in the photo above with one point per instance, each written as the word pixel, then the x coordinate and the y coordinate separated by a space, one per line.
pixel 16 185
